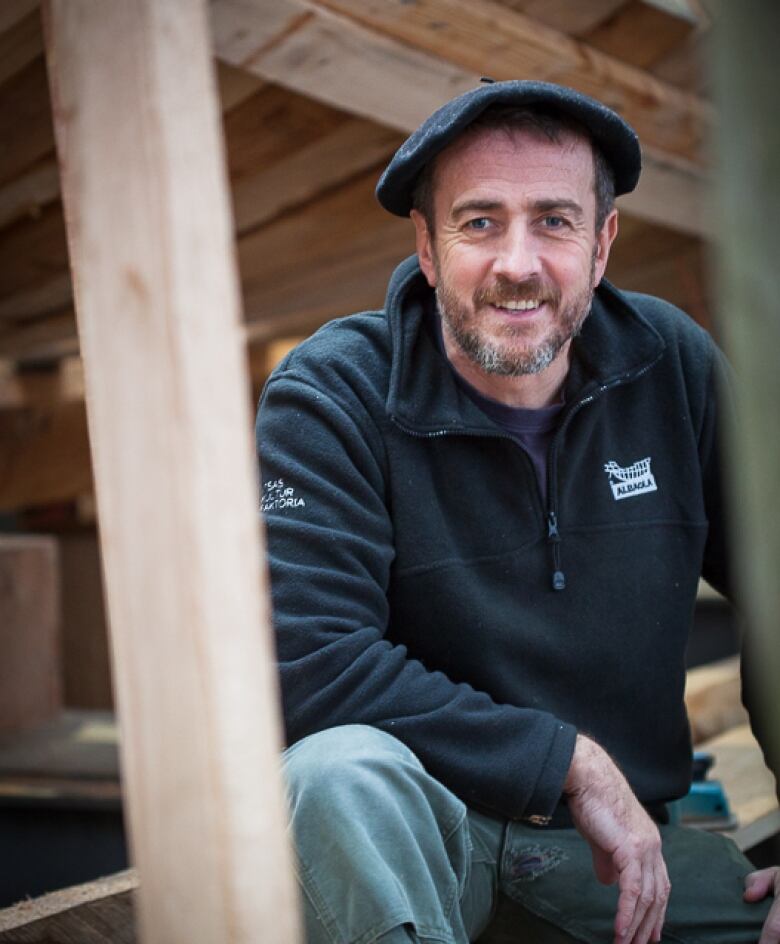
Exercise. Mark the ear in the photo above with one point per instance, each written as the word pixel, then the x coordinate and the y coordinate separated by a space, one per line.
pixel 424 244
pixel 604 242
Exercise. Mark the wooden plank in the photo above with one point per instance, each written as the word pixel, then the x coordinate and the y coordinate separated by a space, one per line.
pixel 51 293
pixel 658 260
pixel 12 11
pixel 44 339
pixel 572 17
pixel 20 45
pixel 672 195
pixel 71 745
pixel 688 65
pixel 748 285
pixel 642 32
pixel 337 62
pixel 24 790
pixel 34 266
pixel 713 699
pixel 371 74
pixel 28 194
pixel 30 682
pixel 270 125
pixel 34 278
pixel 100 912
pixel 350 246
pixel 349 151
pixel 235 85
pixel 238 32
pixel 25 120
pixel 45 456
pixel 465 34
pixel 175 477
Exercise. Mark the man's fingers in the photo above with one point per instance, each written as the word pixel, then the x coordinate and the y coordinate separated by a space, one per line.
pixel 760 884
pixel 646 911
pixel 629 901
pixel 663 887
pixel 644 895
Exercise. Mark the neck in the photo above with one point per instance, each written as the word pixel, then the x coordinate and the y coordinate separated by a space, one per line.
pixel 529 391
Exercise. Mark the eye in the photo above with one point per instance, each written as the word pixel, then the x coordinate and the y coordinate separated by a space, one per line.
pixel 478 223
pixel 554 222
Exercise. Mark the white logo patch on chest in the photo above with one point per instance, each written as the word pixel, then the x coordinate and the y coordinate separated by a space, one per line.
pixel 632 480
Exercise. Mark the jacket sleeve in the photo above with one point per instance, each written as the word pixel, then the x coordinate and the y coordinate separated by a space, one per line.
pixel 330 551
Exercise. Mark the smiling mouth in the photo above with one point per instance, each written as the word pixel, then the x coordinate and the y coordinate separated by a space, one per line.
pixel 531 304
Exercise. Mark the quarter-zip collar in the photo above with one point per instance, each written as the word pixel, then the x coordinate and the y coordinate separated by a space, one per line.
pixel 616 345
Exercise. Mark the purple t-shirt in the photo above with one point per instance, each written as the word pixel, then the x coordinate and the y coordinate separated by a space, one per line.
pixel 532 430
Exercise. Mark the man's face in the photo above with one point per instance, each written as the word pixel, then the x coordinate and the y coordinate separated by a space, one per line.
pixel 514 257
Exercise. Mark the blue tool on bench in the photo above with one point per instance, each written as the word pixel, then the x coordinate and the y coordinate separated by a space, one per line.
pixel 706 805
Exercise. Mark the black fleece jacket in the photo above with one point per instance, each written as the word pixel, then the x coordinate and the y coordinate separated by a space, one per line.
pixel 414 564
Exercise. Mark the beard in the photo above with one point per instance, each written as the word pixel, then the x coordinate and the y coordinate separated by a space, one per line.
pixel 511 354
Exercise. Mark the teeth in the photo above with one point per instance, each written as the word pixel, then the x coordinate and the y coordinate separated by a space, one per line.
pixel 521 306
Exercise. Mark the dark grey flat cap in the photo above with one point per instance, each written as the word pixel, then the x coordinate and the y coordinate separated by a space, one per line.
pixel 616 138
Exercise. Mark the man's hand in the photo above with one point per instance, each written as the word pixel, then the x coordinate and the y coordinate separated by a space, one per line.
pixel 624 842
pixel 757 886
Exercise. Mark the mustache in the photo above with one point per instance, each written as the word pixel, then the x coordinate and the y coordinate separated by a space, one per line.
pixel 505 290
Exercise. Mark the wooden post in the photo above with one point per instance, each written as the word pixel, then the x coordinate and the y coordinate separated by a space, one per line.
pixel 748 149
pixel 149 233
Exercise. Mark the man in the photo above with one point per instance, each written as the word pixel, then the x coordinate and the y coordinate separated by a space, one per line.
pixel 488 508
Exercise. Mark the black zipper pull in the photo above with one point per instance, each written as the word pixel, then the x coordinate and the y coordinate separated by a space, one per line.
pixel 554 538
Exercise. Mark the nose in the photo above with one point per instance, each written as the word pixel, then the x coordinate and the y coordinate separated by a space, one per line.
pixel 517 256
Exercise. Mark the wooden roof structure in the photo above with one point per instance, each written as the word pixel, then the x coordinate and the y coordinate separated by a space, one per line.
pixel 315 97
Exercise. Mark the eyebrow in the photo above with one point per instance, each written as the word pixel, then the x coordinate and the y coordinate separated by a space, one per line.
pixel 475 206
pixel 545 206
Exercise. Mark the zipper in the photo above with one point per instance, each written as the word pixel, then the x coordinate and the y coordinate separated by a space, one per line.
pixel 558 577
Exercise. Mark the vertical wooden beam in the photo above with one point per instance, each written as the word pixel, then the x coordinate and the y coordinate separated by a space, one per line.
pixel 748 148
pixel 145 195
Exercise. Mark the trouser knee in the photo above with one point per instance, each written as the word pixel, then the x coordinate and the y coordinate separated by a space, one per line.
pixel 381 845
pixel 348 767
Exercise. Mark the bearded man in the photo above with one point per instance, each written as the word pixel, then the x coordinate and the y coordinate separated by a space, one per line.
pixel 498 496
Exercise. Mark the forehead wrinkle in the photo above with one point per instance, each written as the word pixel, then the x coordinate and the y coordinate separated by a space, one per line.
pixel 466 148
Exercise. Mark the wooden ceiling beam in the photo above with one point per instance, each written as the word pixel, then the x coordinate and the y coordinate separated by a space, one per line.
pixel 12 11
pixel 36 187
pixel 26 133
pixel 671 194
pixel 572 17
pixel 43 339
pixel 374 71
pixel 642 32
pixel 342 44
pixel 22 41
pixel 28 194
pixel 328 162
